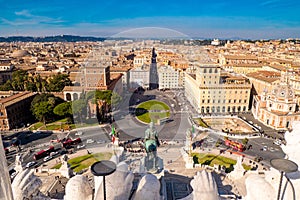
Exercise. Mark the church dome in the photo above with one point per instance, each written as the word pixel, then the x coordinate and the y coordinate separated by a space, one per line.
pixel 283 91
pixel 19 53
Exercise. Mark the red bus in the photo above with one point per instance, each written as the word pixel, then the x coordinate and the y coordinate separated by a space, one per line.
pixel 43 153
pixel 235 145
pixel 69 142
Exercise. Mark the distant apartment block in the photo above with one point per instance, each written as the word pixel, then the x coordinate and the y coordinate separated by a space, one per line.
pixel 263 81
pixel 15 110
pixel 211 91
pixel 168 78
pixel 94 78
pixel 139 77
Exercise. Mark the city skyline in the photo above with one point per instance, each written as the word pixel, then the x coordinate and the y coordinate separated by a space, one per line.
pixel 269 19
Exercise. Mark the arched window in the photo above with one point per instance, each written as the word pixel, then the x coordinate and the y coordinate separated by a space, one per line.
pixel 210 70
pixel 223 109
pixel 207 109
pixel 75 96
pixel 218 109
pixel 68 97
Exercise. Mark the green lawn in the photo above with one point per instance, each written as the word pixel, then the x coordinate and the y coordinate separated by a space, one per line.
pixel 83 162
pixel 61 124
pixel 152 111
pixel 36 126
pixel 211 159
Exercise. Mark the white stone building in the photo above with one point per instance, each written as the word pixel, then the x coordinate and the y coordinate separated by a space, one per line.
pixel 139 77
pixel 168 78
pixel 210 91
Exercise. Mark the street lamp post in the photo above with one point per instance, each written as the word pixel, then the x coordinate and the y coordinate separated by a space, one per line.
pixel 284 166
pixel 103 168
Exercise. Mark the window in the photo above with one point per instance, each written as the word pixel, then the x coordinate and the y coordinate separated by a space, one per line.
pixel 210 70
pixel 229 101
pixel 208 100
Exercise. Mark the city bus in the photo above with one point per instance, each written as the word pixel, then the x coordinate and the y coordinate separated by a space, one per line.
pixel 43 153
pixel 235 145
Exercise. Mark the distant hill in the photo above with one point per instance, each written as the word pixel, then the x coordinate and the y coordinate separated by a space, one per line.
pixel 58 38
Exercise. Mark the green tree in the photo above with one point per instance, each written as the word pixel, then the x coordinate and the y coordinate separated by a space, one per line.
pixel 58 82
pixel 115 99
pixel 48 100
pixel 63 109
pixel 42 111
pixel 79 109
pixel 19 77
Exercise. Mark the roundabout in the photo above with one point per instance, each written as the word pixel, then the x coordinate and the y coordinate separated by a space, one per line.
pixel 152 110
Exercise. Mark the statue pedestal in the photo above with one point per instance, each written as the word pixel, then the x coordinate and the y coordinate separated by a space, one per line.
pixel 189 163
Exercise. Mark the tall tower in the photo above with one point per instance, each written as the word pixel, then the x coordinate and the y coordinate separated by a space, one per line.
pixel 153 77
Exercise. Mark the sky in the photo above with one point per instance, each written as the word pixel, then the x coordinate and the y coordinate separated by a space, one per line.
pixel 255 19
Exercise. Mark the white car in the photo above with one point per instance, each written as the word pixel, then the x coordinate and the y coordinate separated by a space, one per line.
pixel 79 133
pixel 89 141
pixel 80 146
pixel 52 154
pixel 30 164
pixel 100 141
pixel 278 142
pixel 47 158
pixel 265 148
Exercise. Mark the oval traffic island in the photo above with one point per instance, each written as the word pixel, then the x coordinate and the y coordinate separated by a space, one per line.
pixel 152 111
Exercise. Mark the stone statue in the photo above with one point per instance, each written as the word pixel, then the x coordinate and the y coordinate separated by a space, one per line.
pixel 148 188
pixel 238 171
pixel 151 143
pixel 78 188
pixel 118 184
pixel 65 169
pixel 204 187
pixel 18 163
pixel 26 186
